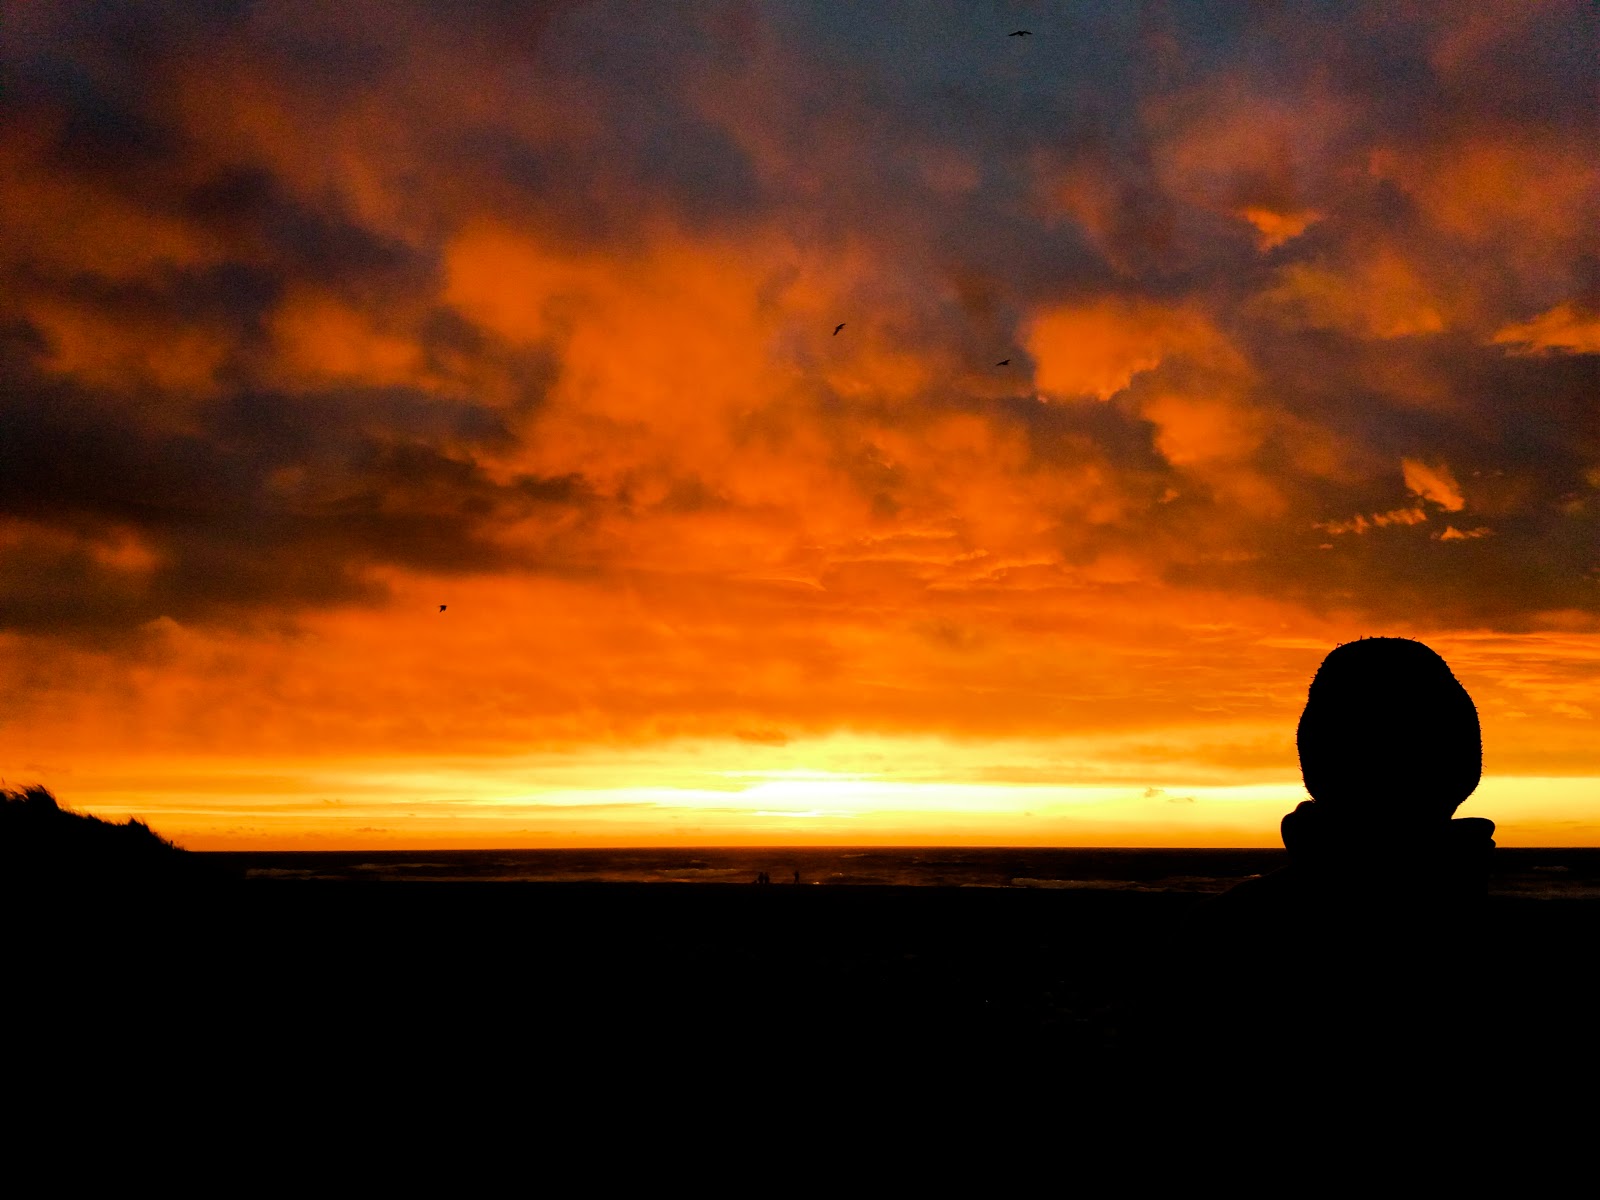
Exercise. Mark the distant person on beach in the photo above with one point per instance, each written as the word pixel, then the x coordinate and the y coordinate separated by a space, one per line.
pixel 1369 940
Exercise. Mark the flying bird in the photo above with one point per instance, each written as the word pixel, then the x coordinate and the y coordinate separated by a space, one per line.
pixel 838 327
pixel 1004 362
pixel 1021 33
pixel 442 607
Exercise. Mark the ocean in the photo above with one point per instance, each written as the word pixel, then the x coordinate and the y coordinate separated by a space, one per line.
pixel 1528 873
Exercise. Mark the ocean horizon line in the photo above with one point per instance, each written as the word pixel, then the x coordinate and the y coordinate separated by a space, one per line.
pixel 1546 872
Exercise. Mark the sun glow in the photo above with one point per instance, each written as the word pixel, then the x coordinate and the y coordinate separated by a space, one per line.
pixel 679 799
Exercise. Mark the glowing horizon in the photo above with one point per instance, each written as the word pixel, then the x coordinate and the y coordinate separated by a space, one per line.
pixel 461 805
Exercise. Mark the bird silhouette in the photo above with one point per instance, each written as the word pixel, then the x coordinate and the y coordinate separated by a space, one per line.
pixel 442 607
pixel 1021 33
pixel 1004 362
pixel 838 327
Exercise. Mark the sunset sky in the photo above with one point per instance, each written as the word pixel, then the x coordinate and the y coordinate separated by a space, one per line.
pixel 315 317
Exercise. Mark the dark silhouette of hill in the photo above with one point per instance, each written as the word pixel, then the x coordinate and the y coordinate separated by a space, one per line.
pixel 44 844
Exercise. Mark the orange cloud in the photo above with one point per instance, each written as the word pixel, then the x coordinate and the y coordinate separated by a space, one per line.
pixel 1274 228
pixel 1565 329
pixel 510 284
pixel 1434 483
pixel 1477 187
pixel 1203 428
pixel 1097 349
pixel 123 351
pixel 321 340
pixel 1271 155
pixel 1360 524
pixel 1378 295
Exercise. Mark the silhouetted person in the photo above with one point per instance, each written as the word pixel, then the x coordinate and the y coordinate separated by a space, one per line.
pixel 1366 949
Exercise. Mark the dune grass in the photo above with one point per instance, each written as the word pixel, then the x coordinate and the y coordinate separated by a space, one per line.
pixel 43 841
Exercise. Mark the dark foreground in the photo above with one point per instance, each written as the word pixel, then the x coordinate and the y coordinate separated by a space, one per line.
pixel 824 993
pixel 531 973
pixel 189 1007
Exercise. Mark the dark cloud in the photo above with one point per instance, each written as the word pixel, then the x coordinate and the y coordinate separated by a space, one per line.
pixel 273 502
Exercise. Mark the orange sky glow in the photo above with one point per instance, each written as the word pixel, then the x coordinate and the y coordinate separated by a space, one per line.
pixel 314 318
